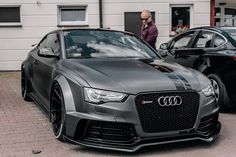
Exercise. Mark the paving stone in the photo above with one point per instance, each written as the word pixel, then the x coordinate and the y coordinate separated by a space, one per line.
pixel 25 129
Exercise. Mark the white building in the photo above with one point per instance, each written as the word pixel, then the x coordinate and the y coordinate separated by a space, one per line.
pixel 25 22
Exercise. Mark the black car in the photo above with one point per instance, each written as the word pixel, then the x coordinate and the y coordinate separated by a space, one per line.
pixel 108 89
pixel 212 51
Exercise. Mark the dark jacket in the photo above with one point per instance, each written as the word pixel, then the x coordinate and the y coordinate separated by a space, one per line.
pixel 149 34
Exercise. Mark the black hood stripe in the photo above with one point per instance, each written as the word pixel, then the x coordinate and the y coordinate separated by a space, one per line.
pixel 180 82
pixel 187 84
pixel 178 77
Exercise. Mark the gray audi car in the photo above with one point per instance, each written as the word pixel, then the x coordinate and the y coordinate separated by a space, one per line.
pixel 108 89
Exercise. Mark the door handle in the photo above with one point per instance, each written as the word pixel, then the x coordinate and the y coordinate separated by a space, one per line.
pixel 35 61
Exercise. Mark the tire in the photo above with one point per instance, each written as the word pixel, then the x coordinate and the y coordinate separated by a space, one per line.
pixel 220 90
pixel 57 112
pixel 24 88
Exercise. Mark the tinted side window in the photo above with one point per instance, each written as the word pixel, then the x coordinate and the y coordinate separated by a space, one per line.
pixel 204 40
pixel 182 41
pixel 53 43
pixel 218 41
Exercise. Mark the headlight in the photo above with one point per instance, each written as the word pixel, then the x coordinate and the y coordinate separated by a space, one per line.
pixel 208 91
pixel 101 96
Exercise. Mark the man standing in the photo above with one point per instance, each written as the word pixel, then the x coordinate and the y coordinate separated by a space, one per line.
pixel 149 30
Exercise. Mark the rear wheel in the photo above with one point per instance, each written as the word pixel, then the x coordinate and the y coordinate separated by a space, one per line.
pixel 220 91
pixel 24 89
pixel 58 115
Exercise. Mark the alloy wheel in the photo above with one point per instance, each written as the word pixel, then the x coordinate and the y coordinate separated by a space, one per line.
pixel 216 89
pixel 57 110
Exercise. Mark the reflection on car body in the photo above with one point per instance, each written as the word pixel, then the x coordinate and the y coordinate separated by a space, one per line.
pixel 108 89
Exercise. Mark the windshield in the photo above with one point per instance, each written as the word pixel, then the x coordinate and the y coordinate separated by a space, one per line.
pixel 100 43
pixel 231 32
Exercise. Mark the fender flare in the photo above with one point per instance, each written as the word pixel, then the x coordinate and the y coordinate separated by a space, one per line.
pixel 67 94
pixel 26 68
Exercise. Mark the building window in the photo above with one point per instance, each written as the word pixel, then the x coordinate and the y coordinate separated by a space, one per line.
pixel 180 18
pixel 225 16
pixel 217 16
pixel 230 17
pixel 72 16
pixel 10 16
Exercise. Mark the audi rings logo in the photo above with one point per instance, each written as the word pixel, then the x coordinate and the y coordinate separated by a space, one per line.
pixel 170 100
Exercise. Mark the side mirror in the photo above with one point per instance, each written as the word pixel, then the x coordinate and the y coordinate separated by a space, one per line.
pixel 164 46
pixel 47 52
pixel 33 45
pixel 163 53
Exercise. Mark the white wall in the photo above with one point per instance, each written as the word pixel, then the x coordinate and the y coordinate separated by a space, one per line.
pixel 114 13
pixel 38 19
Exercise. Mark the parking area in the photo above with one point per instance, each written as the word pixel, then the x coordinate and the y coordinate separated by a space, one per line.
pixel 26 131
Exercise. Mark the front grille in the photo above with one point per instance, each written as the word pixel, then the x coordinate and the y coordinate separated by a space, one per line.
pixel 208 124
pixel 155 118
pixel 110 132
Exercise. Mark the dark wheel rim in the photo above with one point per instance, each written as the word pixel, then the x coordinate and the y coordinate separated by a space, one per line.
pixel 56 110
pixel 216 89
pixel 23 92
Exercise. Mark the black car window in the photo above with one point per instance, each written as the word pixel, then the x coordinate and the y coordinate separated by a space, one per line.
pixel 182 41
pixel 230 31
pixel 203 39
pixel 101 43
pixel 53 42
pixel 218 41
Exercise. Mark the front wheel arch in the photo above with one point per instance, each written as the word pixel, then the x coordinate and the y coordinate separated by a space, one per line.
pixel 25 87
pixel 68 99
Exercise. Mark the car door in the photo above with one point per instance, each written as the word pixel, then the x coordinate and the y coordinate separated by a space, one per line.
pixel 34 63
pixel 194 50
pixel 201 45
pixel 178 48
pixel 44 66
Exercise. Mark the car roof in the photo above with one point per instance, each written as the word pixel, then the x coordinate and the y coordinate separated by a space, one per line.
pixel 215 28
pixel 94 29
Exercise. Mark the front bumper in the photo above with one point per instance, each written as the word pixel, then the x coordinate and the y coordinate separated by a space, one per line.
pixel 138 142
pixel 117 126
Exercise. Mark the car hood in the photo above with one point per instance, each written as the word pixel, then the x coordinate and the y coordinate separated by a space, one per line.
pixel 131 75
